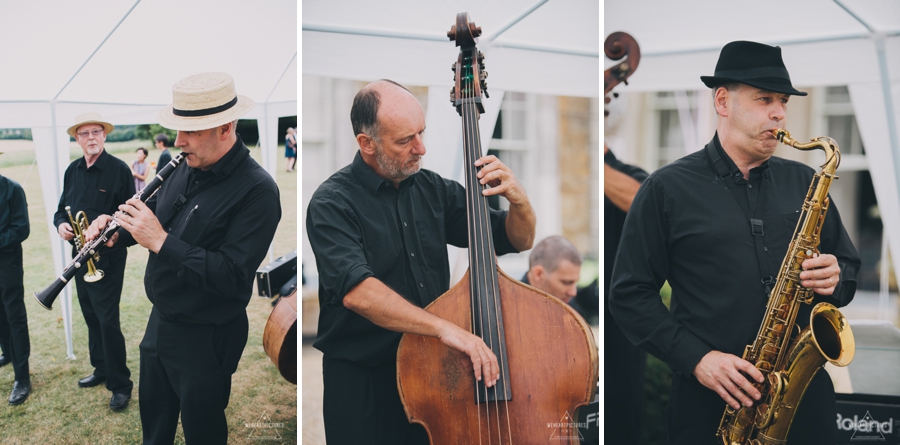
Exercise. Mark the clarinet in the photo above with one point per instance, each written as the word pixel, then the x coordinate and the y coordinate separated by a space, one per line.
pixel 46 297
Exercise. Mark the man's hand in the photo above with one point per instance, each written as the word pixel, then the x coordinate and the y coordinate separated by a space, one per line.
pixel 97 227
pixel 483 359
pixel 721 373
pixel 501 179
pixel 821 273
pixel 65 231
pixel 135 217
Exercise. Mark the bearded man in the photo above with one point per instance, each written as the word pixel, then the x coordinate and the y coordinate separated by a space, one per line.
pixel 379 229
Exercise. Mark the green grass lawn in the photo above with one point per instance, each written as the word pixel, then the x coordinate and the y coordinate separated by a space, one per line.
pixel 59 412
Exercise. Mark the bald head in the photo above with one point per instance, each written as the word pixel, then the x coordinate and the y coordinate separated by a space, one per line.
pixel 364 112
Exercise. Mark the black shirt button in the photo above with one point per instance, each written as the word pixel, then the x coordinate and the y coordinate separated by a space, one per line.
pixel 412 254
pixel 421 285
pixel 404 224
pixel 750 186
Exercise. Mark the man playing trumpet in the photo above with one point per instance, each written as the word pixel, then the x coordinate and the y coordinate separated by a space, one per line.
pixel 96 184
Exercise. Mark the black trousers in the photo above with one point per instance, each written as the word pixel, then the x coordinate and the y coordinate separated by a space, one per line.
pixel 361 405
pixel 186 369
pixel 13 320
pixel 695 413
pixel 624 367
pixel 99 303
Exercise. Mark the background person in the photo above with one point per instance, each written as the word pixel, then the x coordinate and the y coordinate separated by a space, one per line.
pixel 290 148
pixel 162 144
pixel 554 266
pixel 96 184
pixel 140 168
pixel 14 229
pixel 624 364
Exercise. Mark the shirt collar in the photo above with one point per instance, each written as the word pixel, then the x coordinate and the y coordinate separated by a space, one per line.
pixel 722 162
pixel 370 180
pixel 100 163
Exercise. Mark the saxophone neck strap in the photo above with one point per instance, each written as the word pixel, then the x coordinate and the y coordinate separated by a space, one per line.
pixel 754 219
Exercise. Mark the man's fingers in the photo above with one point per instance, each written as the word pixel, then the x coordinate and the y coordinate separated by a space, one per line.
pixel 726 396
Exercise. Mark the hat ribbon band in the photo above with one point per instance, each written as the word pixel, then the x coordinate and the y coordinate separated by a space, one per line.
pixel 205 111
pixel 752 73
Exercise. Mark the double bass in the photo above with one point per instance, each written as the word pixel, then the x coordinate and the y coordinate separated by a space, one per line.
pixel 546 351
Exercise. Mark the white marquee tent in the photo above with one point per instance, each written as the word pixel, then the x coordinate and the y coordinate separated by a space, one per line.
pixel 121 58
pixel 824 42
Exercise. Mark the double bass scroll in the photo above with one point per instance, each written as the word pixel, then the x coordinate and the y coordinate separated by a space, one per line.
pixel 617 46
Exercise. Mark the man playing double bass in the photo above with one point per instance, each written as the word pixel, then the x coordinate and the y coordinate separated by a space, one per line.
pixel 379 229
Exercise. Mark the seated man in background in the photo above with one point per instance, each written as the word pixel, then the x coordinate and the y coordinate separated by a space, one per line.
pixel 554 267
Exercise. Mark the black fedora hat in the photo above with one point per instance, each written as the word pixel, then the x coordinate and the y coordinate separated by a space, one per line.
pixel 752 64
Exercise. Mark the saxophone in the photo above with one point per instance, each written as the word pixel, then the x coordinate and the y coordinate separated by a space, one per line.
pixel 788 362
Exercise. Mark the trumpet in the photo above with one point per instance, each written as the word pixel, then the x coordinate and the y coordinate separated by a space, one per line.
pixel 87 251
pixel 79 226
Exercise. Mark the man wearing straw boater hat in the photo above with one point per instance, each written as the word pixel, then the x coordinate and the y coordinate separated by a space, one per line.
pixel 716 225
pixel 14 229
pixel 208 228
pixel 95 184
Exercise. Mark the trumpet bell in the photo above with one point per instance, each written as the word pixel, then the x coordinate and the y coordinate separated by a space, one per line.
pixel 93 278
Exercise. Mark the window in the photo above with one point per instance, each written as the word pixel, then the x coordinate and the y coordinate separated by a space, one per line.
pixel 669 140
pixel 840 122
pixel 511 141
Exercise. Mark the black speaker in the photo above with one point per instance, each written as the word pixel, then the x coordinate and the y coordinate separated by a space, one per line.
pixel 868 418
pixel 273 276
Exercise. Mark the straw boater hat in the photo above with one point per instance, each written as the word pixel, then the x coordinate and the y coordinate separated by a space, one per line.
pixel 204 101
pixel 89 118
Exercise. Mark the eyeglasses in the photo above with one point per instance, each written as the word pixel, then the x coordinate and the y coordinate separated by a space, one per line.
pixel 85 134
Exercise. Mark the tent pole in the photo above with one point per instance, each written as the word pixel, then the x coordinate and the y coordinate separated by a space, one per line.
pixel 66 301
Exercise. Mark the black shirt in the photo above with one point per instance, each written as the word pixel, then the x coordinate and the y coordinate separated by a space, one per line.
pixel 14 226
pixel 164 158
pixel 217 239
pixel 98 190
pixel 360 226
pixel 685 226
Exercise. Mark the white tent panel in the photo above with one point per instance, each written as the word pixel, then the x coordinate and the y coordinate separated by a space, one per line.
pixel 24 114
pixel 407 43
pixel 172 39
pixel 810 65
pixel 869 106
pixel 44 43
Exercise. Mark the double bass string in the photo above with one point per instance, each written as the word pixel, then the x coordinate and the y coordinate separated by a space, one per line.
pixel 484 254
pixel 476 243
pixel 470 203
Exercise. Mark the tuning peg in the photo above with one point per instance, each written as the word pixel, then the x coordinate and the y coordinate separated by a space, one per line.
pixel 476 30
pixel 452 33
pixel 484 74
pixel 480 55
pixel 453 67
